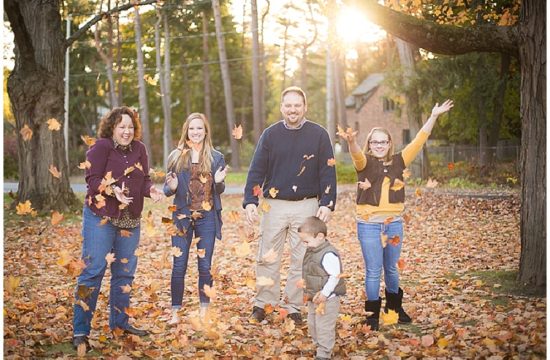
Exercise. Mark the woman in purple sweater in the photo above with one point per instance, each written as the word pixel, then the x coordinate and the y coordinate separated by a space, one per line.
pixel 118 180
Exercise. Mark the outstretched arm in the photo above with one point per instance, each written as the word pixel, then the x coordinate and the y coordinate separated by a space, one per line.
pixel 436 111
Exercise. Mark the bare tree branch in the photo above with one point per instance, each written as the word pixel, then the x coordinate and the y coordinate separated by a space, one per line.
pixel 442 38
pixel 100 16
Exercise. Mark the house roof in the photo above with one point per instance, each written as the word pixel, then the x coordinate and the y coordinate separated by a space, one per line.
pixel 371 82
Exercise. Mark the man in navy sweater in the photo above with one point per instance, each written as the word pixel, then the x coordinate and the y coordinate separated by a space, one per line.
pixel 294 165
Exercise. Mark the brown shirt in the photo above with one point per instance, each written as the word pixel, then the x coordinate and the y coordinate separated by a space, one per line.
pixel 200 188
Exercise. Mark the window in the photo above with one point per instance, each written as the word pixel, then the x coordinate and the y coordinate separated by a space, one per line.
pixel 406 136
pixel 388 104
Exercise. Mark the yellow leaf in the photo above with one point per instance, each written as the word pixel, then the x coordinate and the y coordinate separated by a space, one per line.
pixel 418 193
pixel 237 132
pixel 273 192
pixel 264 281
pixel 442 343
pixel 320 309
pixel 406 174
pixel 265 206
pixel 206 205
pixel 210 291
pixel 85 165
pixel 64 258
pixel 11 283
pixel 56 218
pixel 56 173
pixel 345 318
pixel 150 80
pixel 26 133
pixel 24 208
pixel 397 185
pixel 129 170
pixel 53 124
pixel 139 166
pixel 110 258
pixel 124 261
pixel 389 318
pixel 270 257
pixel 88 140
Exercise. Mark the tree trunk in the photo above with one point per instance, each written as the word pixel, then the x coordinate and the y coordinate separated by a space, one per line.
pixel 206 67
pixel 285 41
pixel 143 106
pixel 532 267
pixel 412 103
pixel 256 90
pixel 235 157
pixel 164 85
pixel 35 88
pixel 118 58
pixel 263 70
pixel 330 86
pixel 107 56
pixel 340 95
pixel 167 97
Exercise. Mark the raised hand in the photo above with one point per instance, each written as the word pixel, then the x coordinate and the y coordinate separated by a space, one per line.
pixel 120 194
pixel 172 181
pixel 443 108
pixel 155 193
pixel 220 175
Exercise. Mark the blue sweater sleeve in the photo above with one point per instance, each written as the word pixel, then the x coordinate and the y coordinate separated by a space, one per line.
pixel 327 174
pixel 257 171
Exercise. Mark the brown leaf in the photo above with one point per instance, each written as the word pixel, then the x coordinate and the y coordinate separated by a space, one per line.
pixel 53 124
pixel 26 133
pixel 273 192
pixel 55 173
pixel 88 140
pixel 56 218
pixel 125 233
pixel 85 165
pixel 331 162
pixel 237 132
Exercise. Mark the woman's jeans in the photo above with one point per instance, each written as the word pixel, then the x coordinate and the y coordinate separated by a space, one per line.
pixel 376 256
pixel 205 229
pixel 100 240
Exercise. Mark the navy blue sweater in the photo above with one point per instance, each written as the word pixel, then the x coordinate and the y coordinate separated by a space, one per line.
pixel 294 162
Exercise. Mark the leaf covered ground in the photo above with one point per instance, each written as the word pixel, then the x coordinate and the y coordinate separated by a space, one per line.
pixel 460 257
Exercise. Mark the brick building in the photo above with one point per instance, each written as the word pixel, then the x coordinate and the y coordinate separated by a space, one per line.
pixel 370 106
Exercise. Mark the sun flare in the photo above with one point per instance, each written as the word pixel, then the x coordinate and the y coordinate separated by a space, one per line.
pixel 353 27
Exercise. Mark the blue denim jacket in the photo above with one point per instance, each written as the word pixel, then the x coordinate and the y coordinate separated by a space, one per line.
pixel 183 198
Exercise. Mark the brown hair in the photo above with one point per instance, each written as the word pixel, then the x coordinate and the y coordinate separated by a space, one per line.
pixel 366 148
pixel 313 225
pixel 114 117
pixel 294 89
pixel 180 158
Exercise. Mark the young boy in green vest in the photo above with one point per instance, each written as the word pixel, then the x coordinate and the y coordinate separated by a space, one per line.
pixel 321 271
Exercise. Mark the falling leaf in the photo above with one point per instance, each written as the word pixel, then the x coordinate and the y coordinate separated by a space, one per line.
pixel 125 233
pixel 364 185
pixel 106 182
pixel 201 253
pixel 110 258
pixel 418 193
pixel 256 190
pixel 394 240
pixel 294 188
pixel 181 216
pixel 301 171
pixel 64 258
pixel 56 218
pixel 237 132
pixel 270 256
pixel 150 80
pixel 209 291
pixel 126 289
pixel 124 261
pixel 24 208
pixel 139 166
pixel 55 173
pixel 196 215
pixel 129 170
pixel 166 220
pixel 401 264
pixel 81 350
pixel 340 131
pixel 427 340
pixel 103 221
pixel 301 284
pixel 320 309
pixel 389 318
pixel 406 174
pixel 383 240
pixel 327 190
pixel 85 165
pixel 264 281
pixel 26 133
pixel 83 292
pixel 265 206
pixel 206 205
pixel 331 162
pixel 273 192
pixel 88 140
pixel 431 183
pixel 451 166
pixel 175 251
pixel 195 241
pixel 83 305
pixel 243 249
pixel 53 124
pixel 397 185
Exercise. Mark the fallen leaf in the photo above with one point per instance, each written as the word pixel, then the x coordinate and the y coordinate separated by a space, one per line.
pixel 389 318
pixel 431 183
pixel 11 283
pixel 418 193
pixel 24 208
pixel 243 249
pixel 451 166
pixel 56 218
pixel 427 340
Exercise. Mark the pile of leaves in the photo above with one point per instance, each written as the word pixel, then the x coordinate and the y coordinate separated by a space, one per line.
pixel 450 242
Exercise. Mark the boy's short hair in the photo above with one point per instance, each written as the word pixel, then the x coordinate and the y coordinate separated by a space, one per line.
pixel 295 89
pixel 313 225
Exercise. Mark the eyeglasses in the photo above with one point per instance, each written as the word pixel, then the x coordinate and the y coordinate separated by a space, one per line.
pixel 383 142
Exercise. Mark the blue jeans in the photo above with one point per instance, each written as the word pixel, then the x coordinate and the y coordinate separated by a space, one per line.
pixel 205 229
pixel 376 257
pixel 100 240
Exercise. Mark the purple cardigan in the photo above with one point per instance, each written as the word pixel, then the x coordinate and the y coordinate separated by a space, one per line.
pixel 104 158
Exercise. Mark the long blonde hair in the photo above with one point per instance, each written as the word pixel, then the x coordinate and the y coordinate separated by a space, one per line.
pixel 180 158
pixel 368 151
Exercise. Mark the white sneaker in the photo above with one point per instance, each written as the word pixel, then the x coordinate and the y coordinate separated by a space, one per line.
pixel 175 318
pixel 202 311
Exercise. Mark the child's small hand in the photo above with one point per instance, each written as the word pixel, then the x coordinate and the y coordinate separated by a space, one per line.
pixel 319 298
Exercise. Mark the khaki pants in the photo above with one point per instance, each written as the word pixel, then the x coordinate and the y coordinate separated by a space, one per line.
pixel 322 328
pixel 281 222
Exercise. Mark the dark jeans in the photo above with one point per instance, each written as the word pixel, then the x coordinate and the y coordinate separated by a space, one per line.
pixel 205 229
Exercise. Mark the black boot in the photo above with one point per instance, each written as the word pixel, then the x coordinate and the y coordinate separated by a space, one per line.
pixel 393 302
pixel 373 306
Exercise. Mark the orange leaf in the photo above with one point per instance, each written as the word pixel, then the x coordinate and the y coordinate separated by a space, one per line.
pixel 166 220
pixel 451 166
pixel 237 132
pixel 331 162
pixel 172 208
pixel 125 233
pixel 210 291
pixel 53 170
pixel 397 185
pixel 24 208
pixel 88 140
pixel 394 240
pixel 53 124
pixel 26 133
pixel 401 264
pixel 256 190
pixel 273 192
pixel 418 193
pixel 388 220
pixel 56 218
pixel 268 308
pixel 85 165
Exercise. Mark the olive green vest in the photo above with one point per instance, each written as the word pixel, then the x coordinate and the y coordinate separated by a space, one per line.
pixel 315 275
